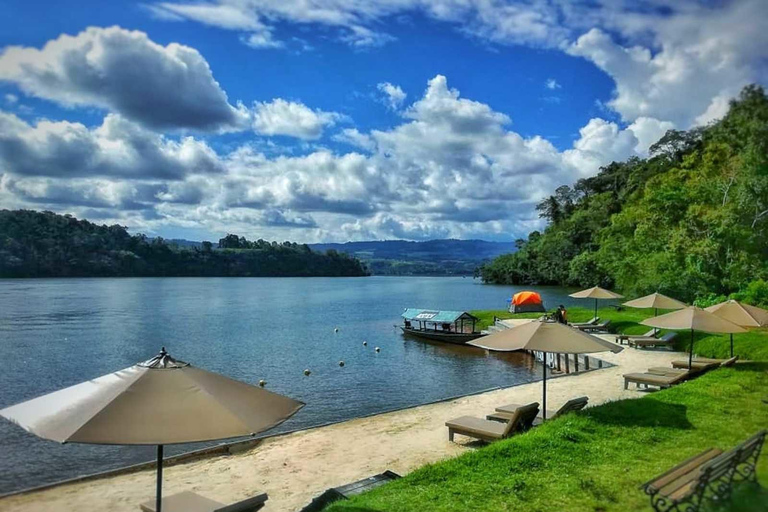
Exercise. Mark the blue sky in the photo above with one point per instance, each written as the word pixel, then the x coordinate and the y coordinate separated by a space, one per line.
pixel 348 120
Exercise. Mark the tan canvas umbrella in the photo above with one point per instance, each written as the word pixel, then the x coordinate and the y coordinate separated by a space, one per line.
pixel 160 401
pixel 740 314
pixel 656 301
pixel 695 319
pixel 549 337
pixel 596 293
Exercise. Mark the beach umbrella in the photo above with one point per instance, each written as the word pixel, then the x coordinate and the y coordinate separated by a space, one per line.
pixel 740 314
pixel 656 301
pixel 596 293
pixel 547 337
pixel 695 319
pixel 160 401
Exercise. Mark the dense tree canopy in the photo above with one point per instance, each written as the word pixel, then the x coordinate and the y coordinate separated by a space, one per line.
pixel 44 244
pixel 690 220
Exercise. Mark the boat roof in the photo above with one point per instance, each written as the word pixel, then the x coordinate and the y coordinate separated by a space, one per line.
pixel 433 315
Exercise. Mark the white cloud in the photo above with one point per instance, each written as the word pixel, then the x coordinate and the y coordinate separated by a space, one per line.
pixel 11 99
pixel 281 117
pixel 394 96
pixel 451 168
pixel 117 148
pixel 263 40
pixel 125 72
pixel 552 84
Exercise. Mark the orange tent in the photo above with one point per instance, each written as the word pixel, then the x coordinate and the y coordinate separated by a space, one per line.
pixel 527 302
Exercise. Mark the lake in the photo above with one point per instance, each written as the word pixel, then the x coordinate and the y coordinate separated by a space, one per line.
pixel 58 332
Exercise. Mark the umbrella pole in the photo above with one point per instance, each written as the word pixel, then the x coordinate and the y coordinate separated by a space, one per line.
pixel 595 308
pixel 544 397
pixel 690 353
pixel 159 498
pixel 731 344
pixel 655 313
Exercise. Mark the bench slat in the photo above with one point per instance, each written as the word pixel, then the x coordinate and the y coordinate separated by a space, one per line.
pixel 683 468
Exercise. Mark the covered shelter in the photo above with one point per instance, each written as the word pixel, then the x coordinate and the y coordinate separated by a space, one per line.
pixel 526 302
pixel 596 293
pixel 743 315
pixel 695 319
pixel 546 337
pixel 158 402
pixel 460 322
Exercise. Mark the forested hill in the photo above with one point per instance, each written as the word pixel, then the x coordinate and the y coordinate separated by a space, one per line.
pixel 690 220
pixel 430 257
pixel 44 244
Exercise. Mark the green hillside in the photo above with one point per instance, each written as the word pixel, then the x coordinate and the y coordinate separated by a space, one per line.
pixel 691 220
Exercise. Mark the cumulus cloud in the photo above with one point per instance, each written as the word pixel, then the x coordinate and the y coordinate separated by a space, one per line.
pixel 552 84
pixel 163 87
pixel 451 168
pixel 281 117
pixel 117 148
pixel 393 95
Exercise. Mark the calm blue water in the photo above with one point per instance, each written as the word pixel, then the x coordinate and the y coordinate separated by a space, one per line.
pixel 55 333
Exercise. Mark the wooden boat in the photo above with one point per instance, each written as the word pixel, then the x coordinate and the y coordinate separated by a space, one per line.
pixel 446 326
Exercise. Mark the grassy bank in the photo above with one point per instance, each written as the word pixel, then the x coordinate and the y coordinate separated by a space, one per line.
pixel 593 460
pixel 596 459
pixel 752 345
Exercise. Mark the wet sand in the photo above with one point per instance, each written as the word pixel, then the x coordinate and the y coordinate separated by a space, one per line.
pixel 294 468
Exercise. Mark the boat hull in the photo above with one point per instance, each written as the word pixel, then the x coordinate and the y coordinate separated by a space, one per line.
pixel 456 338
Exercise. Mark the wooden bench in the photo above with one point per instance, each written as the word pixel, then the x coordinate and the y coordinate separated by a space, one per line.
pixel 708 475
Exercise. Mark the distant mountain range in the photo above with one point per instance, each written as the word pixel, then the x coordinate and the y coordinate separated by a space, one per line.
pixel 431 257
pixel 402 257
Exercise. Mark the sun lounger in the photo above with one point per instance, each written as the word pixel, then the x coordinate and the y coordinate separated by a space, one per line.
pixel 663 370
pixel 650 379
pixel 601 327
pixel 697 364
pixel 487 430
pixel 593 321
pixel 710 475
pixel 664 341
pixel 723 363
pixel 188 501
pixel 506 412
pixel 621 338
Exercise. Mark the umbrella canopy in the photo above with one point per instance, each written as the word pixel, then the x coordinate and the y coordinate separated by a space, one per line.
pixel 548 337
pixel 740 314
pixel 655 301
pixel 160 401
pixel 695 319
pixel 596 293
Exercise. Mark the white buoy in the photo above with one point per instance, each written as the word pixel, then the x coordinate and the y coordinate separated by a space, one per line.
pixel 377 349
pixel 262 383
pixel 336 330
pixel 307 372
pixel 341 363
pixel 365 343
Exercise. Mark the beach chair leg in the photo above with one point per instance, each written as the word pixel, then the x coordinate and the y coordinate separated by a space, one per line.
pixel 450 434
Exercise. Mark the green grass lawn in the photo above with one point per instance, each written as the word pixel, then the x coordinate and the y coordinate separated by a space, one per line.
pixel 593 460
pixel 596 459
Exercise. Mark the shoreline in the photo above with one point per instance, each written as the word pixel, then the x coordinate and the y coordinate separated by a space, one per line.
pixel 293 467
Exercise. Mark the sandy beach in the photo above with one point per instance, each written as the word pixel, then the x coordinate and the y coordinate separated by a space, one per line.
pixel 294 468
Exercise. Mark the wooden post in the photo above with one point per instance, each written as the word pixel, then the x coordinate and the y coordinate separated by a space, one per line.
pixel 599 363
pixel 559 368
pixel 567 364
pixel 576 362
pixel 586 362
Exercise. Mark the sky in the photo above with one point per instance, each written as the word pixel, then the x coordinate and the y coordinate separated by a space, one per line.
pixel 338 120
